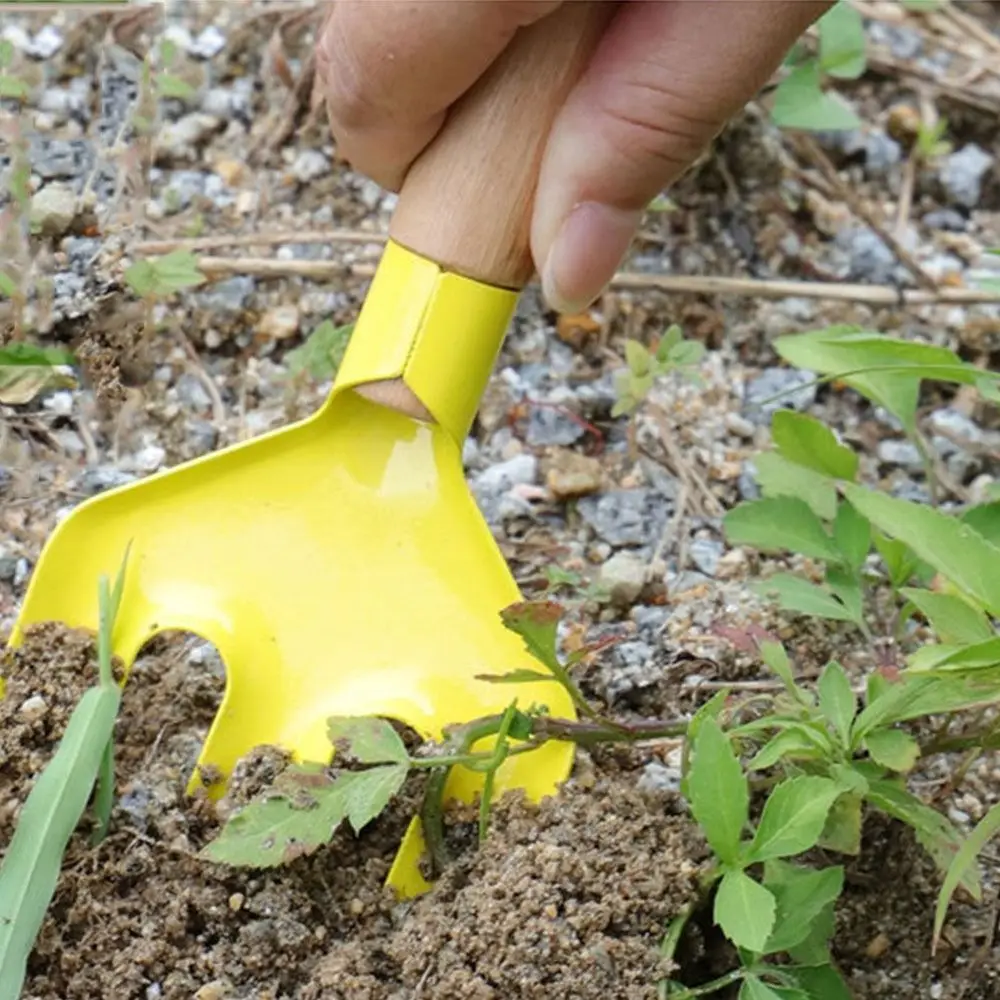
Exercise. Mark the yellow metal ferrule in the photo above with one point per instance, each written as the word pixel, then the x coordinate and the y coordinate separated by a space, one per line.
pixel 438 331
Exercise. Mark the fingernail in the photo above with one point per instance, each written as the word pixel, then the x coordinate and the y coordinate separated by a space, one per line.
pixel 587 249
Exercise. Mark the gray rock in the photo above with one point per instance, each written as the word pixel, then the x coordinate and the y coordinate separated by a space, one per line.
pixel 961 174
pixel 627 517
pixel 882 152
pixel 183 188
pixel 53 209
pixel 630 666
pixel 135 803
pixel 747 483
pixel 705 553
pixel 231 295
pixel 181 139
pixel 22 570
pixel 309 165
pixel 519 470
pixel 660 778
pixel 772 381
pixel 202 436
pixel 101 478
pixel 903 42
pixel 6 479
pixel 548 426
pixel 624 576
pixel 946 219
pixel 869 259
pixel 192 393
pixel 8 568
pixel 956 424
pixel 902 453
pixel 649 617
pixel 46 43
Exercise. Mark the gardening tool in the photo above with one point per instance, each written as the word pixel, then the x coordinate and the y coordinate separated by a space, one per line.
pixel 340 566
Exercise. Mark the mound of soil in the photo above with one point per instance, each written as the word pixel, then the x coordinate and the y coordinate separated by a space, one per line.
pixel 568 897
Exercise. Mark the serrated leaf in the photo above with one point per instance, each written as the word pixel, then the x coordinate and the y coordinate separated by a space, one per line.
pixel 821 982
pixel 717 790
pixel 842 41
pixel 712 709
pixel 537 623
pixel 322 352
pixel 793 818
pixel 953 619
pixel 806 441
pixel 837 701
pixel 954 549
pixel 964 860
pixel 802 894
pixel 839 349
pixel 801 103
pixel 753 988
pixel 369 739
pixel 779 524
pixel 934 831
pixel 370 791
pixel 795 594
pixel 852 534
pixel 893 749
pixel 164 275
pixel 744 910
pixel 779 477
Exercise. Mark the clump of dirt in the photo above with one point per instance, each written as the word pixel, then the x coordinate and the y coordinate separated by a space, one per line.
pixel 568 896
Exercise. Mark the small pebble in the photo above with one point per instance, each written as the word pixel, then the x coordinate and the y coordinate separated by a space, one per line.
pixel 962 174
pixel 33 708
pixel 624 576
pixel 279 322
pixel 236 901
pixel 573 475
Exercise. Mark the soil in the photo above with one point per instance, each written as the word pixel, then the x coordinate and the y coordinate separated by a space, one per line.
pixel 570 897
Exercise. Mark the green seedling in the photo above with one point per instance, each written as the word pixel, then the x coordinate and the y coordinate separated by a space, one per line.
pixel 320 354
pixel 158 278
pixel 643 368
pixel 800 101
pixel 27 370
pixel 56 804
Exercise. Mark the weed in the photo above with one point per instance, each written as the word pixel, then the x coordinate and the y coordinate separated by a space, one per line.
pixel 55 805
pixel 160 277
pixel 672 353
pixel 800 102
pixel 320 354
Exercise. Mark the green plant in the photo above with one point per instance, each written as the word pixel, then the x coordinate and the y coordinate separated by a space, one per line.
pixel 27 370
pixel 800 102
pixel 643 367
pixel 558 579
pixel 11 87
pixel 321 353
pixel 160 277
pixel 56 804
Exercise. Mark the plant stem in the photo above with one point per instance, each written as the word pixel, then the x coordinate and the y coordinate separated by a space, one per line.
pixel 707 988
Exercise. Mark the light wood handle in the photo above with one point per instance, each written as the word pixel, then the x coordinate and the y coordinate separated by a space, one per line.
pixel 466 201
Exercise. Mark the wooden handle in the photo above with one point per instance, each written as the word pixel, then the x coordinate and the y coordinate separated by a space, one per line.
pixel 466 201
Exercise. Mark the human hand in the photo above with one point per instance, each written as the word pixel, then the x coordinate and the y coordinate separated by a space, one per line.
pixel 666 77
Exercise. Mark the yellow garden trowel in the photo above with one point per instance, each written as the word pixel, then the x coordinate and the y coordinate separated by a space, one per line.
pixel 340 566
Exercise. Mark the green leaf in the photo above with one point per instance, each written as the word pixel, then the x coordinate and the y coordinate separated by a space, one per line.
pixel 802 894
pixel 842 42
pixel 717 791
pixel 164 275
pixel 800 103
pixel 670 339
pixel 840 349
pixel 791 744
pixel 780 477
pixel 753 988
pixel 933 830
pixel 12 87
pixel 846 586
pixel 795 594
pixel 837 701
pixel 954 549
pixel 712 709
pixel 953 619
pixel 893 749
pixel 519 676
pixel 687 352
pixel 821 982
pixel 806 441
pixel 985 518
pixel 8 287
pixel 793 818
pixel 367 738
pixel 853 535
pixel 277 828
pixel 964 860
pixel 20 383
pixel 775 656
pixel 900 563
pixel 842 831
pixel 322 352
pixel 744 910
pixel 177 87
pixel 637 357
pixel 49 817
pixel 779 524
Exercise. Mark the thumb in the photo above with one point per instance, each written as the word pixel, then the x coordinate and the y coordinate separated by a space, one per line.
pixel 665 79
